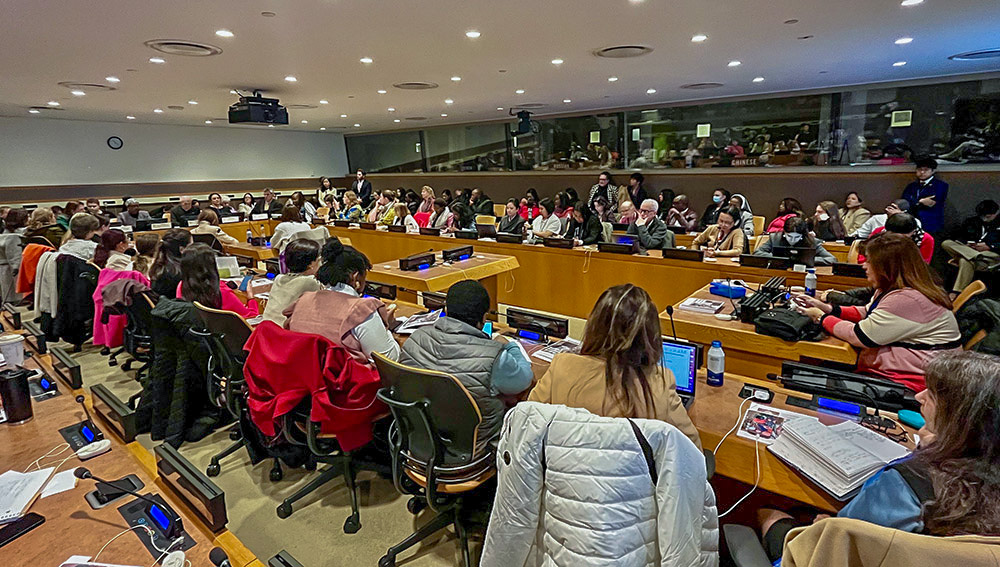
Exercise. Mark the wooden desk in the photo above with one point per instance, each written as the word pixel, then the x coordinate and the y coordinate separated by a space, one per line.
pixel 482 267
pixel 71 527
pixel 839 250
pixel 258 253
pixel 569 282
pixel 749 353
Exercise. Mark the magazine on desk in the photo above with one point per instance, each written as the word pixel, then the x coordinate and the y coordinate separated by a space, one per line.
pixel 549 351
pixel 414 322
pixel 698 305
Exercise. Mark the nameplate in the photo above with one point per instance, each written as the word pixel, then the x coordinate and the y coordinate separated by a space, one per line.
pixel 159 226
pixel 262 216
pixel 192 222
pixel 227 220
pixel 125 228
pixel 745 162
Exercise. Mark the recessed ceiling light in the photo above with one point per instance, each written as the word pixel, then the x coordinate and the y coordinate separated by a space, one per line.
pixel 557 61
pixel 567 101
pixel 499 108
pixel 357 125
pixel 911 2
pixel 158 110
pixel 77 93
pixel 343 116
pixel 735 63
pixel 381 91
pixel 268 14
pixel 650 91
pixel 612 79
pixel 391 109
pixel 192 102
pixel 791 22
pixel 208 122
pixel 33 111
pixel 519 91
pixel 233 91
pixel 472 34
pixel 270 125
pixel 305 122
pixel 130 117
pixel 53 103
pixel 367 60
pixel 291 79
pixel 456 78
pixel 699 38
pixel 443 115
pixel 324 102
pixel 758 79
pixel 396 120
pixel 323 128
pixel 448 101
pixel 224 33
pixel 112 79
pixel 899 63
pixel 904 40
pixel 157 60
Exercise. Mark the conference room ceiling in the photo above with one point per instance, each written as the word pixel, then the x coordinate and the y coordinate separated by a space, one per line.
pixel 46 46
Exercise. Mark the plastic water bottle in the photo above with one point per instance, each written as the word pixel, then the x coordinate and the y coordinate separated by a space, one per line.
pixel 249 237
pixel 716 364
pixel 811 282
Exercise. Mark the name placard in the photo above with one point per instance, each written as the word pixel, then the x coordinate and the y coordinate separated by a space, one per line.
pixel 262 216
pixel 159 225
pixel 226 220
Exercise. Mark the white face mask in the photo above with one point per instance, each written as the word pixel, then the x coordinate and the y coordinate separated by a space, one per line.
pixel 793 238
pixel 824 217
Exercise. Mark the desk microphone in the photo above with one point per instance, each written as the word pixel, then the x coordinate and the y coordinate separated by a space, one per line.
pixel 98 435
pixel 218 557
pixel 670 313
pixel 176 527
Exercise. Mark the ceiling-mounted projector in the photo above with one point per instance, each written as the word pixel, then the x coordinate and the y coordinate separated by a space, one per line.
pixel 257 110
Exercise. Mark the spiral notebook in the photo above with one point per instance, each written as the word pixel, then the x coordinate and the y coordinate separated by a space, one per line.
pixel 18 492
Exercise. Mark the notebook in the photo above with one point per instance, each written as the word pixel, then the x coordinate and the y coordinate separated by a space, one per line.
pixel 839 458
pixel 698 305
pixel 19 490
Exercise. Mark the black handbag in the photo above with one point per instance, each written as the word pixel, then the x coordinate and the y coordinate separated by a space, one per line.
pixel 787 325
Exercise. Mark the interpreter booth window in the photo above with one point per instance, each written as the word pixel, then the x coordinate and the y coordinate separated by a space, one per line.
pixel 578 142
pixel 787 131
pixel 396 152
pixel 479 147
pixel 954 122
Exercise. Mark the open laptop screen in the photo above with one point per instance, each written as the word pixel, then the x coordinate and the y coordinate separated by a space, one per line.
pixel 682 360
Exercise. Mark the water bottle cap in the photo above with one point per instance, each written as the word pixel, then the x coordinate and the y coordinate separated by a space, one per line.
pixel 811 270
pixel 717 343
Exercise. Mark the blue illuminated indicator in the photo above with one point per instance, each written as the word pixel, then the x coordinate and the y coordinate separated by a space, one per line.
pixel 839 406
pixel 87 434
pixel 463 257
pixel 529 335
pixel 45 384
pixel 159 517
pixel 423 266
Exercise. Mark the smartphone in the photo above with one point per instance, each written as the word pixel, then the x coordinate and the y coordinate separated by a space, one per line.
pixel 17 528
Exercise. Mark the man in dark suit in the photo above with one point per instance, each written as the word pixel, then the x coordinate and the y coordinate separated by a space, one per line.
pixel 362 188
pixel 184 212
pixel 926 195
pixel 268 204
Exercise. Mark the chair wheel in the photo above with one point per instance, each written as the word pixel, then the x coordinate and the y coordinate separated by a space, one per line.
pixel 284 510
pixel 352 524
pixel 127 366
pixel 105 351
pixel 234 435
pixel 112 362
pixel 387 561
pixel 213 469
pixel 276 474
pixel 415 505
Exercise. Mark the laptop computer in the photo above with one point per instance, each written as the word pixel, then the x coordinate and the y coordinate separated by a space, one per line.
pixel 849 270
pixel 797 254
pixel 486 230
pixel 683 359
pixel 766 262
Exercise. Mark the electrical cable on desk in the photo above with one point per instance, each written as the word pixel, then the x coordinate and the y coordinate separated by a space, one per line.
pixel 587 254
pixel 512 282
pixel 149 532
pixel 756 446
pixel 35 464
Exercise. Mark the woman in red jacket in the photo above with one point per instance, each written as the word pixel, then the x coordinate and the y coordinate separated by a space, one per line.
pixel 200 282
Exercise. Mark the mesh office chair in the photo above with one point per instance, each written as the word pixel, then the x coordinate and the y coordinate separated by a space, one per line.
pixel 433 448
pixel 224 336
pixel 137 339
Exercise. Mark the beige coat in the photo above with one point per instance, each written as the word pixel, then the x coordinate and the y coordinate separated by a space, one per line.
pixel 854 219
pixel 578 381
pixel 843 542
pixel 732 245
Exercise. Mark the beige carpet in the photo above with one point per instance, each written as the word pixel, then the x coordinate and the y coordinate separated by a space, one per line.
pixel 313 534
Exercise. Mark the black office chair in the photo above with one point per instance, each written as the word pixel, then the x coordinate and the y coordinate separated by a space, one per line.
pixel 137 338
pixel 224 336
pixel 433 448
pixel 210 240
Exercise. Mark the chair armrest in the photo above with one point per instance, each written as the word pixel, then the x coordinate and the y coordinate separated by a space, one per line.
pixel 745 548
pixel 709 463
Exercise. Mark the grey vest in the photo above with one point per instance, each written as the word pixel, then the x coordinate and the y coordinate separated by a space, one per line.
pixel 468 354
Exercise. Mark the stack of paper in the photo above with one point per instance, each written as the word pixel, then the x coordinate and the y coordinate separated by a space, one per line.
pixel 18 491
pixel 416 321
pixel 709 306
pixel 839 458
pixel 565 345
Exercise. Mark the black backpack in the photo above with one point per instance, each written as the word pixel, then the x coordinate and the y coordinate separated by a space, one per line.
pixel 788 325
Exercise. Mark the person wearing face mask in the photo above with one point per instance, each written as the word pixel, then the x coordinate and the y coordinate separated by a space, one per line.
pixel 795 234
pixel 826 223
pixel 724 238
pixel 946 486
pixel 853 214
pixel 339 312
pixel 876 221
pixel 720 200
pixel 977 245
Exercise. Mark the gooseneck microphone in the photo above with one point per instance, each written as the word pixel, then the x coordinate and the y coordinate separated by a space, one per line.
pixel 218 557
pixel 98 435
pixel 176 526
pixel 670 313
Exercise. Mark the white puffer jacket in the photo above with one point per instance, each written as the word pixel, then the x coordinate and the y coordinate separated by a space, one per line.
pixel 575 490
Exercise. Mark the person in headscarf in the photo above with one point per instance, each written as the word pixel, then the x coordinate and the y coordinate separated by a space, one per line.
pixel 745 222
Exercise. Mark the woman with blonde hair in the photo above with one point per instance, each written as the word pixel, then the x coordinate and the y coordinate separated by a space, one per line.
pixel 426 199
pixel 42 222
pixel 404 218
pixel 352 210
pixel 618 372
